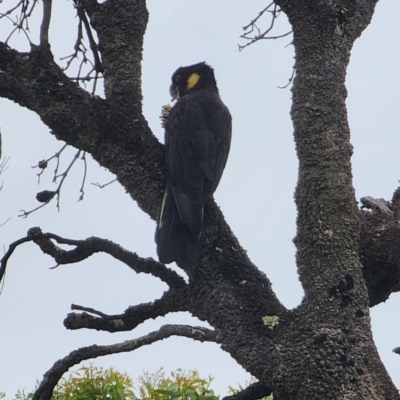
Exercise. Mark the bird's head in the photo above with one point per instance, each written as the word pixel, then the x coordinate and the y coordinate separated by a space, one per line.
pixel 186 80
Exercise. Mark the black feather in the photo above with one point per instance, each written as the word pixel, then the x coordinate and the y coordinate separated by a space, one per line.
pixel 197 140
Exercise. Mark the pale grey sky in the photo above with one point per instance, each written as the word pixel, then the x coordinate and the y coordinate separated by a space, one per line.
pixel 255 194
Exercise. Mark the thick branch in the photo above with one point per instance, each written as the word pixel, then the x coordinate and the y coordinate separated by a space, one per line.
pixel 122 143
pixel 53 375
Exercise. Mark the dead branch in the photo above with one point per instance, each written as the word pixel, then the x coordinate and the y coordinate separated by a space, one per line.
pixel 44 163
pixel 253 27
pixel 86 248
pixel 21 21
pixel 172 301
pixel 53 375
pixel 253 392
pixel 79 47
pixel 290 80
pixel 83 158
pixel 101 186
pixel 11 248
pixel 42 196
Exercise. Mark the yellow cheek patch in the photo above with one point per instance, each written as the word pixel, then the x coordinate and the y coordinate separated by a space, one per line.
pixel 192 80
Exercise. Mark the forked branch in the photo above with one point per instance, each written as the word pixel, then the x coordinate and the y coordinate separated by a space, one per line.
pixel 87 247
pixel 253 33
pixel 171 301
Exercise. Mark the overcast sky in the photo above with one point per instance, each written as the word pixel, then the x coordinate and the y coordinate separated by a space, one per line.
pixel 256 191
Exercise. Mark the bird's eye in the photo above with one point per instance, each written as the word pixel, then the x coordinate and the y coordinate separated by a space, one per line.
pixel 178 78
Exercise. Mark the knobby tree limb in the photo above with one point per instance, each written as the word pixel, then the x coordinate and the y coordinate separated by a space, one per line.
pixel 88 247
pixel 171 301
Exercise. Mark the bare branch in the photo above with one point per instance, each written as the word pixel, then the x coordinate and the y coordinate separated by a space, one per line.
pixel 21 21
pixel 46 196
pixel 252 22
pixel 253 392
pixel 252 26
pixel 79 47
pixel 290 80
pixel 101 186
pixel 171 301
pixel 24 213
pixel 93 45
pixel 86 248
pixel 44 28
pixel 3 223
pixel 83 158
pixel 54 374
pixel 88 309
pixel 43 164
pixel 11 248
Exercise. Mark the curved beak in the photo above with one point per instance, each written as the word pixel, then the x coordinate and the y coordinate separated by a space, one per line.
pixel 174 92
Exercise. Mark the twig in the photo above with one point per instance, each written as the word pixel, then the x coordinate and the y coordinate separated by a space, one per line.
pixel 8 12
pixel 290 80
pixel 43 164
pixel 79 47
pixel 26 213
pixel 93 45
pixel 252 26
pixel 63 176
pixel 2 224
pixel 105 184
pixel 17 26
pixel 11 248
pixel 54 374
pixel 252 22
pixel 89 310
pixel 22 19
pixel 83 158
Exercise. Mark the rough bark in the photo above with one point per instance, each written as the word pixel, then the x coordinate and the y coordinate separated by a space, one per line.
pixel 321 350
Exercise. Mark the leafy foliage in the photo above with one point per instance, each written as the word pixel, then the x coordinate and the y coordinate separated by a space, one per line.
pixel 96 383
pixel 180 385
pixel 91 383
